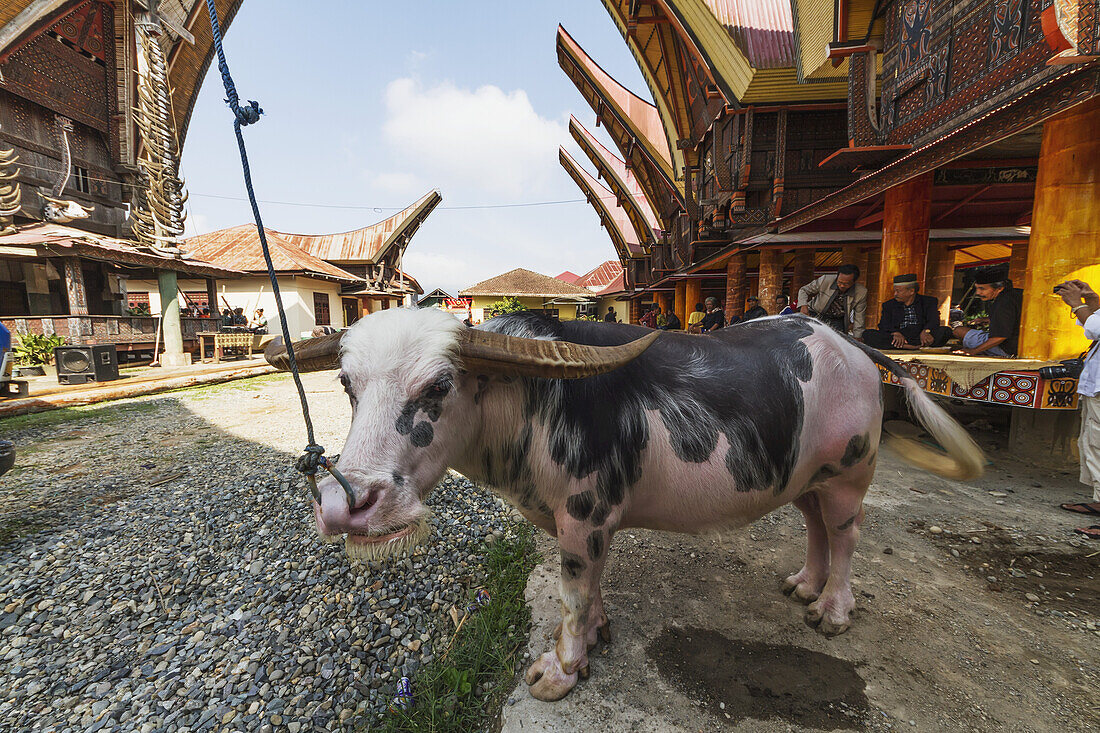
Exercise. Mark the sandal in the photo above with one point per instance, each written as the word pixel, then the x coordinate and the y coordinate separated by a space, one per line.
pixel 1080 508
pixel 1093 532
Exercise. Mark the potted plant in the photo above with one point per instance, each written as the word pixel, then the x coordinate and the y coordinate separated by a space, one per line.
pixel 34 353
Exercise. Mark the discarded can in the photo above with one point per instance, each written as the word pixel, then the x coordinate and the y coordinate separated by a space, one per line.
pixel 403 700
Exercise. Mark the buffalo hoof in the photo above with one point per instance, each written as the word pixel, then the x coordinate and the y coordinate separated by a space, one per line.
pixel 605 632
pixel 801 590
pixel 547 680
pixel 828 621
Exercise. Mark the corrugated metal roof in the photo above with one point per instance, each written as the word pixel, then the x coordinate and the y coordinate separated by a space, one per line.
pixel 762 29
pixel 525 283
pixel 605 279
pixel 239 248
pixel 366 245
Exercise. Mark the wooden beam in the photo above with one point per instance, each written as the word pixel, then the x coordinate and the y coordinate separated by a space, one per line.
pixel 964 202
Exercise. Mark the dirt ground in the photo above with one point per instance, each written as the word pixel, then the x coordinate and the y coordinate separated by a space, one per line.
pixel 945 636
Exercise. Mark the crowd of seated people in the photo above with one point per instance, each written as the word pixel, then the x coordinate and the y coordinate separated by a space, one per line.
pixel 910 320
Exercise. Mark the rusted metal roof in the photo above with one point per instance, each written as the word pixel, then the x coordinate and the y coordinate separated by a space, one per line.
pixel 762 29
pixel 369 244
pixel 239 248
pixel 57 240
pixel 605 279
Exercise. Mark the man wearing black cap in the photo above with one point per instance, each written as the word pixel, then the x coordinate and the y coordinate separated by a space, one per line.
pixel 909 321
pixel 753 309
pixel 1004 303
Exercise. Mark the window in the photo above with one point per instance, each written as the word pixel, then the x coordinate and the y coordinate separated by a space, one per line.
pixel 321 315
pixel 81 180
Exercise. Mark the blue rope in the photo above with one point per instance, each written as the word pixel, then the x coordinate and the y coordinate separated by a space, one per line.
pixel 314 455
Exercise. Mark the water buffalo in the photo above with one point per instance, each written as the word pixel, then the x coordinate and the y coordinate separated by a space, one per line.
pixel 588 428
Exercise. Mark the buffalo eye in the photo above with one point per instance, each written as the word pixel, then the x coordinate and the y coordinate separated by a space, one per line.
pixel 347 388
pixel 440 387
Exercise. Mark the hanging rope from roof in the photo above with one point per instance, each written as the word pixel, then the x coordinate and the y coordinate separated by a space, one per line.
pixel 158 213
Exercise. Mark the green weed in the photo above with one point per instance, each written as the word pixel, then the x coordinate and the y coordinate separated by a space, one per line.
pixel 465 690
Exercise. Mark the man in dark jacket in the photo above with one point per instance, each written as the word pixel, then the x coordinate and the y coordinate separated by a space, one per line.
pixel 753 309
pixel 909 321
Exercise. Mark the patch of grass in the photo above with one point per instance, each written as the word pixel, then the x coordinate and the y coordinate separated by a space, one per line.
pixel 99 412
pixel 465 690
pixel 248 384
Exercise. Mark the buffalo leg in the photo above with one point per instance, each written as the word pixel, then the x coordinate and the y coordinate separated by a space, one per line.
pixel 583 553
pixel 842 513
pixel 806 584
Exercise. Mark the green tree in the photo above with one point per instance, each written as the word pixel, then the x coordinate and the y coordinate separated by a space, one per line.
pixel 507 304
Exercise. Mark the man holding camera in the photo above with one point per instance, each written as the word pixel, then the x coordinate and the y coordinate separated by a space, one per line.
pixel 1084 303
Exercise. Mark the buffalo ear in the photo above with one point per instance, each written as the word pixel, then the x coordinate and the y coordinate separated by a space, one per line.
pixel 311 355
pixel 497 354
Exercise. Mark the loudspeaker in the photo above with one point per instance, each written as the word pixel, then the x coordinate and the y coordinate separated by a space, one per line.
pixel 80 364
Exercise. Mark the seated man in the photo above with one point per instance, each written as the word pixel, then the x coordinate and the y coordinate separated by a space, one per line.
pixel 715 317
pixel 753 309
pixel 1004 303
pixel 783 305
pixel 836 300
pixel 909 321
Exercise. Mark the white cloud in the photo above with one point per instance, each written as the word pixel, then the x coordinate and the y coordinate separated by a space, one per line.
pixel 485 140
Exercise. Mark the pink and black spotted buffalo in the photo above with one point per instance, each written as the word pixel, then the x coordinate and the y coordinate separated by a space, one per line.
pixel 592 427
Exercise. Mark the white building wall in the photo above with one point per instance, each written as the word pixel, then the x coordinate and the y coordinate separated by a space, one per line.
pixel 251 293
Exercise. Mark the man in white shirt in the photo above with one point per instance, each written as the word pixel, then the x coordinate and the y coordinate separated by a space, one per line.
pixel 1085 305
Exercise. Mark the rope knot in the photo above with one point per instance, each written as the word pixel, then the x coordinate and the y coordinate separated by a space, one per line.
pixel 247 115
pixel 311 460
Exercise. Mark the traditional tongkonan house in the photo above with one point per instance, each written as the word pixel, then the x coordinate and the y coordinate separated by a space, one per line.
pixel 325 279
pixel 903 136
pixel 95 100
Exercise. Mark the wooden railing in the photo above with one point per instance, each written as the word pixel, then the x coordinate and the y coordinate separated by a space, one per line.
pixel 103 329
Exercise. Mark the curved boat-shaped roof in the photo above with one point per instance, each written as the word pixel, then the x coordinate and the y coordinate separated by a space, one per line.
pixel 639 116
pixel 613 217
pixel 651 168
pixel 369 244
pixel 621 181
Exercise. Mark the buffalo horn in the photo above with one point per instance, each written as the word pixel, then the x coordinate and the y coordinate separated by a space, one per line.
pixel 311 355
pixel 496 353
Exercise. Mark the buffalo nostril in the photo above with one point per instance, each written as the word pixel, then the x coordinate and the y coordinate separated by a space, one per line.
pixel 373 494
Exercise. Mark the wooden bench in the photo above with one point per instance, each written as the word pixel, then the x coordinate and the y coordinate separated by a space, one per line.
pixel 222 341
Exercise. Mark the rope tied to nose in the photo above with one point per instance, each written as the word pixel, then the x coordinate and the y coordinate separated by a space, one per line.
pixel 314 455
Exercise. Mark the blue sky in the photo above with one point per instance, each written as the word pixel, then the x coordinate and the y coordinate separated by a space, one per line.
pixel 371 105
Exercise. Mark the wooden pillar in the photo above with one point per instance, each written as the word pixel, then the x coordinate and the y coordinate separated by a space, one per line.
pixel 1017 264
pixel 681 300
pixel 635 313
pixel 803 271
pixel 694 295
pixel 907 215
pixel 171 333
pixel 771 278
pixel 939 277
pixel 736 287
pixel 74 287
pixel 1065 231
pixel 874 303
pixel 212 297
pixel 664 299
pixel 853 254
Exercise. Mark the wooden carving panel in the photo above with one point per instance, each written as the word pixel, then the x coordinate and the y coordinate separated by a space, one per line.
pixel 83 29
pixel 983 54
pixel 57 77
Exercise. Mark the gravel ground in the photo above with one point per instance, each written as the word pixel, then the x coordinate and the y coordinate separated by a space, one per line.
pixel 207 601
